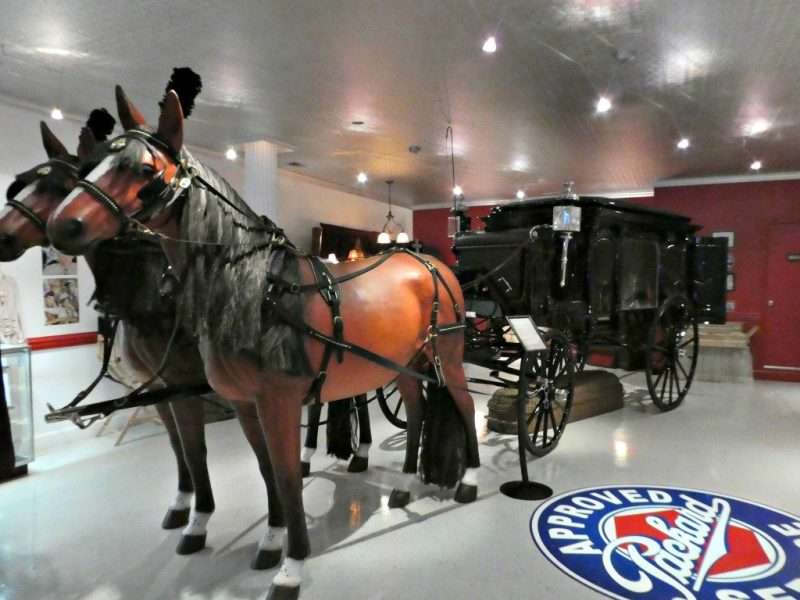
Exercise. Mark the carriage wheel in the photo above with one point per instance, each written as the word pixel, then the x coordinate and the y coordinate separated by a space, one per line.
pixel 552 385
pixel 672 349
pixel 391 403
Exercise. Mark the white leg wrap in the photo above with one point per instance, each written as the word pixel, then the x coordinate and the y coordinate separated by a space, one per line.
pixel 470 476
pixel 407 481
pixel 363 450
pixel 182 501
pixel 307 453
pixel 290 574
pixel 197 523
pixel 273 539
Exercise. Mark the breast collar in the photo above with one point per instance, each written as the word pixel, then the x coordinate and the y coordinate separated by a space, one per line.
pixel 30 176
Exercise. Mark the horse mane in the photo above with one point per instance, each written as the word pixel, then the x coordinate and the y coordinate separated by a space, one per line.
pixel 226 280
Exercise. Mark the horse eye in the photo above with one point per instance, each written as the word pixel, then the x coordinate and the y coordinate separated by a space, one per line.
pixel 148 170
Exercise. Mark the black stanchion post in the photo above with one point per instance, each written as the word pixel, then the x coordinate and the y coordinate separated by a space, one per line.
pixel 525 489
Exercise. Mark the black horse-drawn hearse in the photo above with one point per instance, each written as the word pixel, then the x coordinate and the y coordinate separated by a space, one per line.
pixel 602 278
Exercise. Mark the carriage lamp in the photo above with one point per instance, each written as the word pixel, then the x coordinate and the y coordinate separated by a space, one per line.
pixel 391 231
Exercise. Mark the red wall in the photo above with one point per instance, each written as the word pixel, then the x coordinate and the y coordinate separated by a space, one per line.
pixel 747 209
pixel 430 227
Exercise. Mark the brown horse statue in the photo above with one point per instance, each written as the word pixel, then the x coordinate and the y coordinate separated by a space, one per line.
pixel 147 319
pixel 275 329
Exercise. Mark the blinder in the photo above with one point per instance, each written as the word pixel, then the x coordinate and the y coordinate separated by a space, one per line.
pixel 154 195
pixel 33 175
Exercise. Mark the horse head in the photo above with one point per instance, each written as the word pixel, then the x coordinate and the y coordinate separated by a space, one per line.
pixel 132 182
pixel 34 194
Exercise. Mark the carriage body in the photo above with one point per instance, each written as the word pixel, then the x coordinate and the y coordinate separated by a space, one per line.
pixel 596 269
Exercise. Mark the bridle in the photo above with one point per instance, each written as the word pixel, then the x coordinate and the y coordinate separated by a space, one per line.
pixel 160 193
pixel 39 171
pixel 154 194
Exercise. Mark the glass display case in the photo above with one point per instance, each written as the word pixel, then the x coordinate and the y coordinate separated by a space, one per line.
pixel 16 362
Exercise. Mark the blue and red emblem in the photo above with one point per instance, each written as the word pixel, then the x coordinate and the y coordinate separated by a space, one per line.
pixel 664 542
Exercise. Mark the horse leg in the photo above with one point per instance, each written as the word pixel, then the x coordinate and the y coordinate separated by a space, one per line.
pixel 310 446
pixel 178 512
pixel 410 391
pixel 279 414
pixel 270 547
pixel 360 460
pixel 455 377
pixel 190 419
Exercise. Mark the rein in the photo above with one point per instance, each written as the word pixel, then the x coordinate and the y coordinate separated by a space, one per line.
pixel 159 194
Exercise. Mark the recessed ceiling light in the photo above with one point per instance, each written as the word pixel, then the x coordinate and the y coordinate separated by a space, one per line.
pixel 56 114
pixel 520 194
pixel 457 191
pixel 357 123
pixel 683 143
pixel 231 153
pixel 362 177
pixel 757 126
pixel 756 165
pixel 603 105
pixel 490 45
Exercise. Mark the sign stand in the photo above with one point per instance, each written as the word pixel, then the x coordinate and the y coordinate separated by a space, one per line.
pixel 525 489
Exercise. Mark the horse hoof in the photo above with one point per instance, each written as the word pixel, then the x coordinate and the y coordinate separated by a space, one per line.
pixel 190 544
pixel 283 592
pixel 358 464
pixel 175 519
pixel 466 493
pixel 306 468
pixel 266 559
pixel 399 498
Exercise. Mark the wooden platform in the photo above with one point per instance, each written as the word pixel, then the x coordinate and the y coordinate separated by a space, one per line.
pixel 596 392
pixel 725 353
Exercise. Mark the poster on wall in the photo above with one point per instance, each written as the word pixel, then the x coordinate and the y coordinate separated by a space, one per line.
pixel 56 264
pixel 61 306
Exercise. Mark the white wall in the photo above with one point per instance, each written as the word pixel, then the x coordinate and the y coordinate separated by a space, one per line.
pixel 305 203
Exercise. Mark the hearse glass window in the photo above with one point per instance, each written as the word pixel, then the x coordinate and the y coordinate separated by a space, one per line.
pixel 638 274
pixel 673 268
pixel 601 277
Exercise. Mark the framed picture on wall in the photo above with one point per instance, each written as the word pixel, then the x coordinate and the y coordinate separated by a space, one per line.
pixel 728 235
pixel 731 262
pixel 730 282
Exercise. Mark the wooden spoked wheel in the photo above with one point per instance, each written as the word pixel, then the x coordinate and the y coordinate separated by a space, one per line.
pixel 672 348
pixel 551 389
pixel 391 403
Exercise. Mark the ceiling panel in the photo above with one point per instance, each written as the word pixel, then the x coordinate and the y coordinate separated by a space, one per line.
pixel 300 71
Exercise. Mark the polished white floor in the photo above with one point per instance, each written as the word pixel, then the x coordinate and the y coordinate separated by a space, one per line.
pixel 85 523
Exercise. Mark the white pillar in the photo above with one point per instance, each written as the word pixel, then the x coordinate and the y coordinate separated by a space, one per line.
pixel 261 178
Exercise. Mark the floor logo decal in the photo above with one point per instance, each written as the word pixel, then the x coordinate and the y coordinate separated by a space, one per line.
pixel 671 543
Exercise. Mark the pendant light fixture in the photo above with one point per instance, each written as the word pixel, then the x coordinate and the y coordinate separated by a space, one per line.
pixel 391 231
pixel 458 220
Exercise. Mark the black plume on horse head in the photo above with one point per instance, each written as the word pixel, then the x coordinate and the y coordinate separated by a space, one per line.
pixel 187 84
pixel 101 124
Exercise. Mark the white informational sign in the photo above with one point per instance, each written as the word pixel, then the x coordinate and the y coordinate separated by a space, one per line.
pixel 525 330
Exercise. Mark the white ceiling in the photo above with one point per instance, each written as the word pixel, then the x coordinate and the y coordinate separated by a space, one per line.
pixel 300 71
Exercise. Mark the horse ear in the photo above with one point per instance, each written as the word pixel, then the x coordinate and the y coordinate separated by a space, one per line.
pixel 52 145
pixel 129 115
pixel 86 143
pixel 170 123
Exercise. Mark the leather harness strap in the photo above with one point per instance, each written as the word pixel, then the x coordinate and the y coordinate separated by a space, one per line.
pixel 29 214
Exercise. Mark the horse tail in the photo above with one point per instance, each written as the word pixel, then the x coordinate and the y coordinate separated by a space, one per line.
pixel 340 429
pixel 444 439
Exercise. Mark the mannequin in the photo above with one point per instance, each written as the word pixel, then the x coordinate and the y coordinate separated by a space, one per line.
pixel 10 324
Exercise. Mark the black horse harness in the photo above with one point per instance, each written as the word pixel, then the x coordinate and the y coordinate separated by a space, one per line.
pixel 159 194
pixel 32 175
